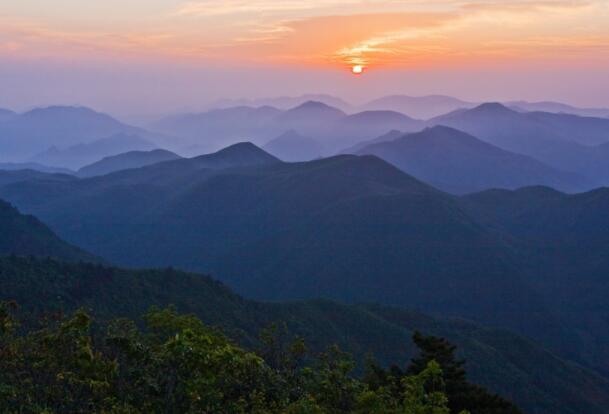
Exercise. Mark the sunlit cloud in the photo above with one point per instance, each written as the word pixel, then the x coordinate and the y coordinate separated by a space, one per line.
pixel 328 32
pixel 212 8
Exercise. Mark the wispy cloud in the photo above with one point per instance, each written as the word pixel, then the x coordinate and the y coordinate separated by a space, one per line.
pixel 212 8
pixel 331 32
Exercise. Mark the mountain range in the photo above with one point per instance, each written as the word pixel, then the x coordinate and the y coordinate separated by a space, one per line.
pixel 14 166
pixel 26 235
pixel 487 224
pixel 557 107
pixel 422 107
pixel 458 163
pixel 126 161
pixel 331 127
pixel 79 155
pixel 497 359
pixel 293 147
pixel 351 228
pixel 284 102
pixel 26 134
pixel 539 135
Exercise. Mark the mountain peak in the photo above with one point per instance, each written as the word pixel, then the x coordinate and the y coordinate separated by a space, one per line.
pixel 315 107
pixel 379 115
pixel 126 160
pixel 240 154
pixel 241 147
pixel 492 107
pixel 61 110
pixel 442 135
pixel 444 130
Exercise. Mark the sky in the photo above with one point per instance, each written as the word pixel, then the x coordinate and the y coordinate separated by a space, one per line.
pixel 153 56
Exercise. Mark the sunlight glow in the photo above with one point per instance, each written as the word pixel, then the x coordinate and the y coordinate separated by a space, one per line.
pixel 357 69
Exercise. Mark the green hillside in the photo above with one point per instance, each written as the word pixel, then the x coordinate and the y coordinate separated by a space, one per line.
pixel 506 363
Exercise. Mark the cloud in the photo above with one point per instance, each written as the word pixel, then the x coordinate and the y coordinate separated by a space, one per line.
pixel 332 32
pixel 212 8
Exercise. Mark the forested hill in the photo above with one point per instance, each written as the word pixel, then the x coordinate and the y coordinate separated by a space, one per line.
pixel 505 363
pixel 26 235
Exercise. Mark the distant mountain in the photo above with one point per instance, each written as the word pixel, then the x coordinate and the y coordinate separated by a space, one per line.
pixel 457 162
pixel 311 111
pixel 583 130
pixel 329 126
pixel 284 102
pixel 389 136
pixel 127 160
pixel 13 166
pixel 352 228
pixel 497 359
pixel 367 125
pixel 548 126
pixel 295 227
pixel 293 147
pixel 392 120
pixel 76 156
pixel 209 131
pixel 423 107
pixel 242 154
pixel 26 236
pixel 555 139
pixel 6 114
pixel 187 171
pixel 557 107
pixel 30 133
pixel 335 130
pixel 16 176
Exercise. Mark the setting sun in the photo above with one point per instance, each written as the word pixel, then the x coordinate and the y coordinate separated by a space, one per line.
pixel 357 69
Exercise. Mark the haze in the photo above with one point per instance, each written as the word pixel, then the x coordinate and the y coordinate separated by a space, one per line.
pixel 157 56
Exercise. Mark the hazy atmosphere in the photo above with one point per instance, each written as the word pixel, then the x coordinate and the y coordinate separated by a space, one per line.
pixel 145 57
pixel 304 207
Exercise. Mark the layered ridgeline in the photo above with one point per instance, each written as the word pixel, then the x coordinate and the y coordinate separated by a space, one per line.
pixel 457 162
pixel 126 161
pixel 50 287
pixel 349 228
pixel 26 235
pixel 517 368
pixel 69 130
pixel 292 147
pixel 281 231
pixel 567 238
pixel 82 154
pixel 563 141
pixel 422 107
pixel 329 126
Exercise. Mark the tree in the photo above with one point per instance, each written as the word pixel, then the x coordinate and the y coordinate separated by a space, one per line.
pixel 461 394
pixel 177 364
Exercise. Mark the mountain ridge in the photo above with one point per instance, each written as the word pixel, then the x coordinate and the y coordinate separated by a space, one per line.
pixel 495 358
pixel 453 161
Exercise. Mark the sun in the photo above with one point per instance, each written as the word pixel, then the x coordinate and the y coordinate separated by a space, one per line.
pixel 357 69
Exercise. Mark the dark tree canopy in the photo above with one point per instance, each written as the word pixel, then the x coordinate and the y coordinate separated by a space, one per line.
pixel 177 364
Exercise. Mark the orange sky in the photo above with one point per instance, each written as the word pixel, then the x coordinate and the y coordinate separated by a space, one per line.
pixel 396 35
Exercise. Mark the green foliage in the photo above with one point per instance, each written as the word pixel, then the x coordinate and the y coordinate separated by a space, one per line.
pixel 177 364
pixel 436 381
pixel 501 361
